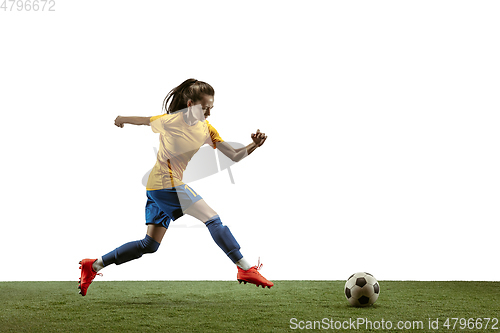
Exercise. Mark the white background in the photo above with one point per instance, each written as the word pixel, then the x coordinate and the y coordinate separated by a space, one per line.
pixel 383 136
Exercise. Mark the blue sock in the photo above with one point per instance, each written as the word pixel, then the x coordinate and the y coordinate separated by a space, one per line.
pixel 224 238
pixel 130 251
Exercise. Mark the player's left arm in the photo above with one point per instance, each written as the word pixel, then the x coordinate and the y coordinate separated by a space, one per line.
pixel 237 155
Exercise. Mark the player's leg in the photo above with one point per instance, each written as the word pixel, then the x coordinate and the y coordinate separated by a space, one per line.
pixel 127 252
pixel 157 223
pixel 201 211
pixel 220 233
pixel 156 232
pixel 226 241
pixel 135 249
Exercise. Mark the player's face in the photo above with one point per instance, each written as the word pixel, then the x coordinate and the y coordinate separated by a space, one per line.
pixel 207 103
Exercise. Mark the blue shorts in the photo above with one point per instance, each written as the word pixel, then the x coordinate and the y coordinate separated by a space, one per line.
pixel 169 204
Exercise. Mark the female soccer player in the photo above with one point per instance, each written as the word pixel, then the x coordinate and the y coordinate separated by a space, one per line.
pixel 183 130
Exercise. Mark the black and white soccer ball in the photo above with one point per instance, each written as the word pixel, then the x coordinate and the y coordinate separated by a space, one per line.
pixel 361 289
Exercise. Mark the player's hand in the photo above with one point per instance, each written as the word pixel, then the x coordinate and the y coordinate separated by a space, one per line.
pixel 119 121
pixel 259 138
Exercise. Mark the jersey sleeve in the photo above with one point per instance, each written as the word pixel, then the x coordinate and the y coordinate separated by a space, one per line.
pixel 159 122
pixel 156 123
pixel 214 135
pixel 155 117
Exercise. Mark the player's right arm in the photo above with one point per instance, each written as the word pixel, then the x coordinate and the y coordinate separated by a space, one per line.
pixel 120 121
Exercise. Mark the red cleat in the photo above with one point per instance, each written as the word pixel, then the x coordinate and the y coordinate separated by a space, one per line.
pixel 253 276
pixel 87 276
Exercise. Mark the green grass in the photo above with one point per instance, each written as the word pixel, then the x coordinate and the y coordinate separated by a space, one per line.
pixel 208 306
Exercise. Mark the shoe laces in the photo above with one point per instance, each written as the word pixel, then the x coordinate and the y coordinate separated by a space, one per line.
pixel 259 265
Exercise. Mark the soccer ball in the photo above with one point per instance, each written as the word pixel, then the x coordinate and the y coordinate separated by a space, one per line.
pixel 361 289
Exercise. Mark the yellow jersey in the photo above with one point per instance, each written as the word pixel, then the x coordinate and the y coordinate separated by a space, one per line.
pixel 178 143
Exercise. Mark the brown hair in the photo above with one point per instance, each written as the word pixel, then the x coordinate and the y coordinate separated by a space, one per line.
pixel 190 89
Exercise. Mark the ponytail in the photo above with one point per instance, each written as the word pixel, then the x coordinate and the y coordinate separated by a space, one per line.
pixel 190 89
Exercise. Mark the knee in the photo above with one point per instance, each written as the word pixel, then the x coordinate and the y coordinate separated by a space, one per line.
pixel 149 245
pixel 213 221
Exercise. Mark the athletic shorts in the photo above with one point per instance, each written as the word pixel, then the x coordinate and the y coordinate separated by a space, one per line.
pixel 169 204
